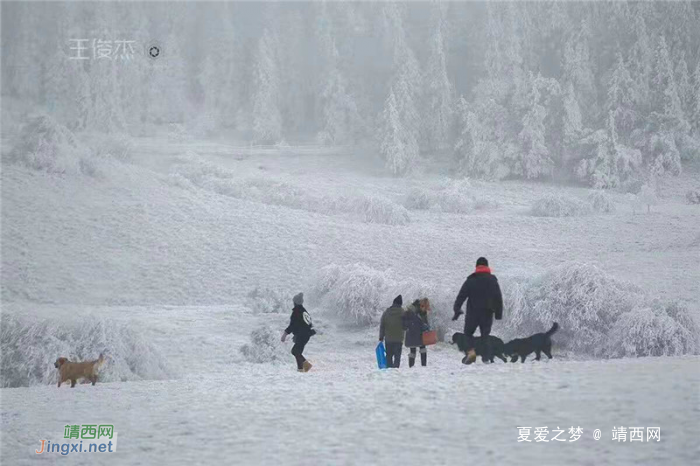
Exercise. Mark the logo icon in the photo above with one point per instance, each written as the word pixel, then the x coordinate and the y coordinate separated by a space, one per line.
pixel 154 50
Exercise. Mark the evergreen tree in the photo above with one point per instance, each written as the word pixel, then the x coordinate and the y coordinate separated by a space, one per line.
pixel 695 104
pixel 267 119
pixel 684 85
pixel 340 116
pixel 399 145
pixel 536 161
pixel 621 100
pixel 438 94
pixel 666 100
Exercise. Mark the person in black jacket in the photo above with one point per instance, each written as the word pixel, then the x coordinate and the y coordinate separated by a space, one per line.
pixel 301 326
pixel 484 301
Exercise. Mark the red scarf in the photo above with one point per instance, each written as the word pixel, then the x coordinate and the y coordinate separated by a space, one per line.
pixel 482 269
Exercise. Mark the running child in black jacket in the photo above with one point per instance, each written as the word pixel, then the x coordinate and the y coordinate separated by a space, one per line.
pixel 301 326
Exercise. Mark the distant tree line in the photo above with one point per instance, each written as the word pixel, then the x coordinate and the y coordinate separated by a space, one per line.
pixel 603 93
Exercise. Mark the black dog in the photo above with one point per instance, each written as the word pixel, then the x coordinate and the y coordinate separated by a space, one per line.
pixel 537 343
pixel 496 346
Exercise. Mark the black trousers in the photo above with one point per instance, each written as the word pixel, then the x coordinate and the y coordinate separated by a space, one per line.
pixel 393 353
pixel 483 322
pixel 423 356
pixel 298 348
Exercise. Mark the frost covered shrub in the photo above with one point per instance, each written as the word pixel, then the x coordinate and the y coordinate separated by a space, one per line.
pixel 601 202
pixel 266 300
pixel 598 315
pixel 264 346
pixel 356 294
pixel 654 330
pixel 376 209
pixel 117 147
pixel 693 196
pixel 359 294
pixel 45 145
pixel 454 198
pixel 369 209
pixel 30 348
pixel 559 206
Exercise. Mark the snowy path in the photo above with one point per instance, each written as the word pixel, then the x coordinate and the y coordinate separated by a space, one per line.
pixel 346 412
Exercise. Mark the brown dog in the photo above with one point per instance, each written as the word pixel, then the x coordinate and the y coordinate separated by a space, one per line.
pixel 78 370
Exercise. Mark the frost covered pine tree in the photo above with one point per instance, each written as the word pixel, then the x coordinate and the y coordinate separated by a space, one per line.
pixel 399 146
pixel 401 122
pixel 684 86
pixel 573 127
pixel 340 116
pixel 536 161
pixel 267 119
pixel 621 100
pixel 695 104
pixel 666 99
pixel 578 70
pixel 438 94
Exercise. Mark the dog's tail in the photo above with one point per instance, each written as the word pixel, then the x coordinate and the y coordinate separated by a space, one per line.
pixel 552 331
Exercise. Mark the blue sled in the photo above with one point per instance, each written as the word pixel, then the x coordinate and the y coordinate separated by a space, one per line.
pixel 381 355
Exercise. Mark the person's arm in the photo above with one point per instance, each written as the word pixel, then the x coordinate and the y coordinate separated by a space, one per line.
pixel 381 329
pixel 497 300
pixel 461 297
pixel 292 324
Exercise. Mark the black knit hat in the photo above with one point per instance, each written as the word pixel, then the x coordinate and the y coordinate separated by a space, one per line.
pixel 398 301
pixel 482 261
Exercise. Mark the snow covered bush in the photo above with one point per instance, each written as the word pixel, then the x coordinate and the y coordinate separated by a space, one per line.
pixel 693 196
pixel 45 145
pixel 367 208
pixel 598 315
pixel 376 209
pixel 647 196
pixel 359 294
pixel 356 294
pixel 601 202
pixel 559 206
pixel 263 300
pixel 30 348
pixel 115 146
pixel 654 329
pixel 264 347
pixel 454 198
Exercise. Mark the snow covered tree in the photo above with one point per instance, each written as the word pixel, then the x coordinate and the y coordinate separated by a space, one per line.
pixel 666 100
pixel 536 161
pixel 400 116
pixel 267 119
pixel 437 118
pixel 621 100
pixel 684 86
pixel 341 119
pixel 578 70
pixel 695 104
pixel 573 129
pixel 642 59
pixel 399 145
pixel 611 163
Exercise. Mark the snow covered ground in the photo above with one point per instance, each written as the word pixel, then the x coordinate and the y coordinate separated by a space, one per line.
pixel 168 246
pixel 345 411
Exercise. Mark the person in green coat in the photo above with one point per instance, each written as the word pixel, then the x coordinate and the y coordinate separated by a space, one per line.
pixel 391 331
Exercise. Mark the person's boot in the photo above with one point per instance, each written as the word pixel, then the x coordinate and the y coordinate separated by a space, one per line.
pixel 411 361
pixel 307 366
pixel 424 359
pixel 470 357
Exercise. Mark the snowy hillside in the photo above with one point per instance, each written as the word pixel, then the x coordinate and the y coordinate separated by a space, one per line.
pixel 175 174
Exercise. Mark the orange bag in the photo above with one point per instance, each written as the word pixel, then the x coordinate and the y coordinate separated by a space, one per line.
pixel 429 338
